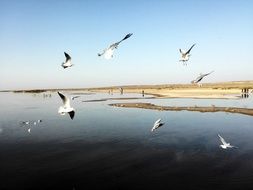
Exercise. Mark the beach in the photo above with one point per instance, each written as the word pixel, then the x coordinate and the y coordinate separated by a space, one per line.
pixel 228 90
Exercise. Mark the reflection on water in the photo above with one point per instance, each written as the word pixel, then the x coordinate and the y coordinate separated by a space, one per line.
pixel 112 148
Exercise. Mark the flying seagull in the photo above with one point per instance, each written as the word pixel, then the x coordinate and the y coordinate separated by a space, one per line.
pixel 185 55
pixel 108 52
pixel 66 107
pixel 67 63
pixel 157 124
pixel 224 144
pixel 200 77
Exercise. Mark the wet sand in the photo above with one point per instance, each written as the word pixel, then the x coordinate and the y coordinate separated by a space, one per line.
pixel 244 111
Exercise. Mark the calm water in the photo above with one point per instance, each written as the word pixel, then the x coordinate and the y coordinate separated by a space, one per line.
pixel 112 148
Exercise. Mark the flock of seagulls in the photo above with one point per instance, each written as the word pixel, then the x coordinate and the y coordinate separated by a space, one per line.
pixel 224 145
pixel 29 124
pixel 108 54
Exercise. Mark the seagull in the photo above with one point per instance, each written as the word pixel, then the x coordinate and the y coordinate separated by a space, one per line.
pixel 157 124
pixel 185 55
pixel 66 107
pixel 224 144
pixel 25 122
pixel 108 52
pixel 74 97
pixel 38 121
pixel 200 77
pixel 67 63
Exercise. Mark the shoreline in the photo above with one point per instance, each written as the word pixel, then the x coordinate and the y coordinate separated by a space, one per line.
pixel 193 93
pixel 220 90
pixel 244 111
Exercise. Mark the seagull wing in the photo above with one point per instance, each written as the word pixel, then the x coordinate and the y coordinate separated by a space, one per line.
pixel 204 75
pixel 67 57
pixel 158 121
pixel 190 49
pixel 115 45
pixel 209 73
pixel 222 139
pixel 71 114
pixel 104 51
pixel 198 79
pixel 65 100
pixel 73 97
pixel 127 36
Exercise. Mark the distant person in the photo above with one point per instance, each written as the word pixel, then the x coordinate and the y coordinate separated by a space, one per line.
pixel 142 93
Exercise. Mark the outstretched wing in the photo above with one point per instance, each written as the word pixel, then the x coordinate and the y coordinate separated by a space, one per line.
pixel 65 100
pixel 209 73
pixel 157 121
pixel 190 49
pixel 71 114
pixel 115 45
pixel 222 139
pixel 67 57
pixel 100 54
pixel 127 36
pixel 198 79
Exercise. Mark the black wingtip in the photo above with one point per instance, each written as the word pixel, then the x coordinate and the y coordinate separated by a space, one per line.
pixel 61 95
pixel 72 114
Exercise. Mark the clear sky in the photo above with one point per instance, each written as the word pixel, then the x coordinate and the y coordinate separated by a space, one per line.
pixel 34 35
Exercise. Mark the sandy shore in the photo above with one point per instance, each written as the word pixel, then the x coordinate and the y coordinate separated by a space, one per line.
pixel 222 90
pixel 184 92
pixel 244 111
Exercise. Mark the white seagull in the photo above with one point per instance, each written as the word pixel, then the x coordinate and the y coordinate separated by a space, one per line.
pixel 67 63
pixel 66 107
pixel 157 124
pixel 108 52
pixel 224 144
pixel 200 77
pixel 185 55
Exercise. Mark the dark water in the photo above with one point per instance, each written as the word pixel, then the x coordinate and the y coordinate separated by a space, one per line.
pixel 112 148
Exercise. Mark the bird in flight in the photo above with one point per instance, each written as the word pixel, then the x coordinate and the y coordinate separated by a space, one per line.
pixel 185 55
pixel 66 108
pixel 200 77
pixel 108 52
pixel 224 144
pixel 67 62
pixel 157 124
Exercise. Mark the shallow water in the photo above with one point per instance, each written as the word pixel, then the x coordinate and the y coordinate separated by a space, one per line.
pixel 112 148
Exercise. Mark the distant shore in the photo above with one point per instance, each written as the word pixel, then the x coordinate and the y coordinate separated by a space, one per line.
pixel 244 111
pixel 222 90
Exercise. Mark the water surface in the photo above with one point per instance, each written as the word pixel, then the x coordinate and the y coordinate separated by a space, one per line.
pixel 112 148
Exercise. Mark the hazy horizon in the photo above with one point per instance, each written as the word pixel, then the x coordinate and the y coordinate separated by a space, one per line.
pixel 34 36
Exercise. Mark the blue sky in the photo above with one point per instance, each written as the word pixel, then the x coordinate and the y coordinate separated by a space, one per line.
pixel 34 35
